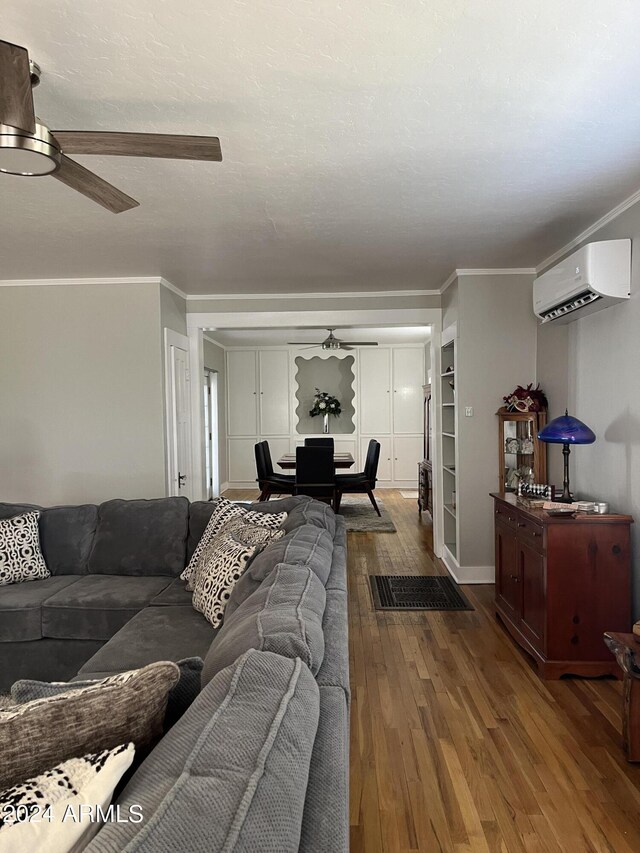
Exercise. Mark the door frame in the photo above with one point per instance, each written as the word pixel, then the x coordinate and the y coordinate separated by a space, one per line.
pixel 175 339
pixel 211 384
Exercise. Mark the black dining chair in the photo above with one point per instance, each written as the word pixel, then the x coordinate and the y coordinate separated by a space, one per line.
pixel 316 473
pixel 269 482
pixel 318 442
pixel 364 481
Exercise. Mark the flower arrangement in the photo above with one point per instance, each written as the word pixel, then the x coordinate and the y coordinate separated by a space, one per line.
pixel 324 404
pixel 527 399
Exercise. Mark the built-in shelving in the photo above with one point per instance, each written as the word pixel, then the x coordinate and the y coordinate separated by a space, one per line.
pixel 448 427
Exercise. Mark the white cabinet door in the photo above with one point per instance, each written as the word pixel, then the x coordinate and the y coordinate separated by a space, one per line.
pixel 407 452
pixel 274 392
pixel 346 445
pixel 242 460
pixel 408 379
pixel 384 462
pixel 277 448
pixel 242 392
pixel 374 394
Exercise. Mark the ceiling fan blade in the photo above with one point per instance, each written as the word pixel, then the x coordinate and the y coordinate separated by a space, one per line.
pixel 352 344
pixel 345 346
pixel 78 178
pixel 164 145
pixel 302 344
pixel 16 98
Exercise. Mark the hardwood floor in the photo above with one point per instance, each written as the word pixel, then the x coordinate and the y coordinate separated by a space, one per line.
pixel 456 744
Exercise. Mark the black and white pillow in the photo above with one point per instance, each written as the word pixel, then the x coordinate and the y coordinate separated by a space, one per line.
pixel 224 511
pixel 222 567
pixel 20 555
pixel 62 809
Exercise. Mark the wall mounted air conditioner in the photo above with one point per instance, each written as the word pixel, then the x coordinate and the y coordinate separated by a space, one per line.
pixel 596 276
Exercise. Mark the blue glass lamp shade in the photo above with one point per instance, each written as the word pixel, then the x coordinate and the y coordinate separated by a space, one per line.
pixel 567 430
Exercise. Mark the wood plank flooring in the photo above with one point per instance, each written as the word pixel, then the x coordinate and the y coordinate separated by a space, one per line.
pixel 456 744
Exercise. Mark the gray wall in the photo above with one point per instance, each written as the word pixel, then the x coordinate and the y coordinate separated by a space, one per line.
pixel 173 311
pixel 496 351
pixel 81 382
pixel 602 374
pixel 214 360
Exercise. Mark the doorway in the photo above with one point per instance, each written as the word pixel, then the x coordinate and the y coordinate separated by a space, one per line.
pixel 211 454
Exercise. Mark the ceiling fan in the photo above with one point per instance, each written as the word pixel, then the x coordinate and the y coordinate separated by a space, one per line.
pixel 334 343
pixel 28 147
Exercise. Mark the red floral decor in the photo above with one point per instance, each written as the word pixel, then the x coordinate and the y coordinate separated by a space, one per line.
pixel 527 399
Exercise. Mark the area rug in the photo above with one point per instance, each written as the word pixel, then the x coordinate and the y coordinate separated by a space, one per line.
pixel 411 495
pixel 416 592
pixel 361 517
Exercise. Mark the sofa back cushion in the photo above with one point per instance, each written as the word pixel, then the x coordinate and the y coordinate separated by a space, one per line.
pixel 307 545
pixel 284 616
pixel 66 535
pixel 141 537
pixel 231 775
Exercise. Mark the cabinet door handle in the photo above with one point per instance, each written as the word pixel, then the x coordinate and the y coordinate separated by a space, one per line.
pixel 515 578
pixel 520 524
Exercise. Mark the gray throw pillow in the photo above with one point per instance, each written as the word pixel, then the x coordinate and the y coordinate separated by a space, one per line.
pixel 180 696
pixel 283 616
pixel 126 707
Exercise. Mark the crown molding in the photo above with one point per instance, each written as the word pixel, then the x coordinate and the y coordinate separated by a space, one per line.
pixel 485 271
pixel 62 282
pixel 366 294
pixel 634 198
pixel 211 340
pixel 173 288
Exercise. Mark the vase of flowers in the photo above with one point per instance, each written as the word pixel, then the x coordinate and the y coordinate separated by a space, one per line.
pixel 325 404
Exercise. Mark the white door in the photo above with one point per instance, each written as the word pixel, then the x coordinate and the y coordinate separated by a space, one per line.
pixel 408 379
pixel 384 462
pixel 407 452
pixel 242 392
pixel 274 392
pixel 374 397
pixel 178 400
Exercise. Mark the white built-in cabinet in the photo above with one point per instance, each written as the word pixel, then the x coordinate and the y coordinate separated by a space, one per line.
pixel 390 394
pixel 388 405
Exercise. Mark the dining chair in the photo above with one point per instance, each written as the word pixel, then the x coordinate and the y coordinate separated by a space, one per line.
pixel 364 481
pixel 269 482
pixel 319 442
pixel 316 473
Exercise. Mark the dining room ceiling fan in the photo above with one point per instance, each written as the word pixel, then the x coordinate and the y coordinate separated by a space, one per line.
pixel 28 147
pixel 332 342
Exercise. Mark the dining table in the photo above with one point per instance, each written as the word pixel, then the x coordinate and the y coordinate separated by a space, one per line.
pixel 341 460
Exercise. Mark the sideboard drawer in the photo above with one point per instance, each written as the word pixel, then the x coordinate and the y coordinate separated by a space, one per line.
pixel 505 514
pixel 530 533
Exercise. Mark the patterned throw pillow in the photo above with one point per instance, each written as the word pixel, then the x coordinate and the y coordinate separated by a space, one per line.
pixel 223 563
pixel 226 510
pixel 20 555
pixel 63 808
pixel 126 707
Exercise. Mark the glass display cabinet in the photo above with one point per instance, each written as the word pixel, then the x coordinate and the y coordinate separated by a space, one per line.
pixel 522 457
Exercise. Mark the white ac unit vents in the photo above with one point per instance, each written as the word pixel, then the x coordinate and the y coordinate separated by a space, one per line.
pixel 596 276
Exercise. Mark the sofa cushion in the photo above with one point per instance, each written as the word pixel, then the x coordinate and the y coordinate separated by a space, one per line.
pixel 140 537
pixel 334 671
pixel 95 607
pixel 127 707
pixel 284 616
pixel 21 607
pixel 175 593
pixel 232 773
pixel 307 545
pixel 223 565
pixel 66 534
pixel 155 633
pixel 21 558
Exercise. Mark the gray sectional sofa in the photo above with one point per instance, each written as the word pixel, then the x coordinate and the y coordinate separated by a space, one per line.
pixel 115 602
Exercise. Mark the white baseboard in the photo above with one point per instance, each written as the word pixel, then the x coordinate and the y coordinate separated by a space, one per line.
pixel 473 574
pixel 224 487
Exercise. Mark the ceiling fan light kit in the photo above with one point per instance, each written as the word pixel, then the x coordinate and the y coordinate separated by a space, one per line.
pixel 28 148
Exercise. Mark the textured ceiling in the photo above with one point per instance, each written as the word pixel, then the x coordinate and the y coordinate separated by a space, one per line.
pixel 367 145
pixel 277 337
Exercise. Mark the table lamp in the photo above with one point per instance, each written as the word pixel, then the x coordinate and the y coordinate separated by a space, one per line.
pixel 566 431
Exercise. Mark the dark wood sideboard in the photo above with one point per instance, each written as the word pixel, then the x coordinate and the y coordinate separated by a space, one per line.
pixel 425 487
pixel 561 583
